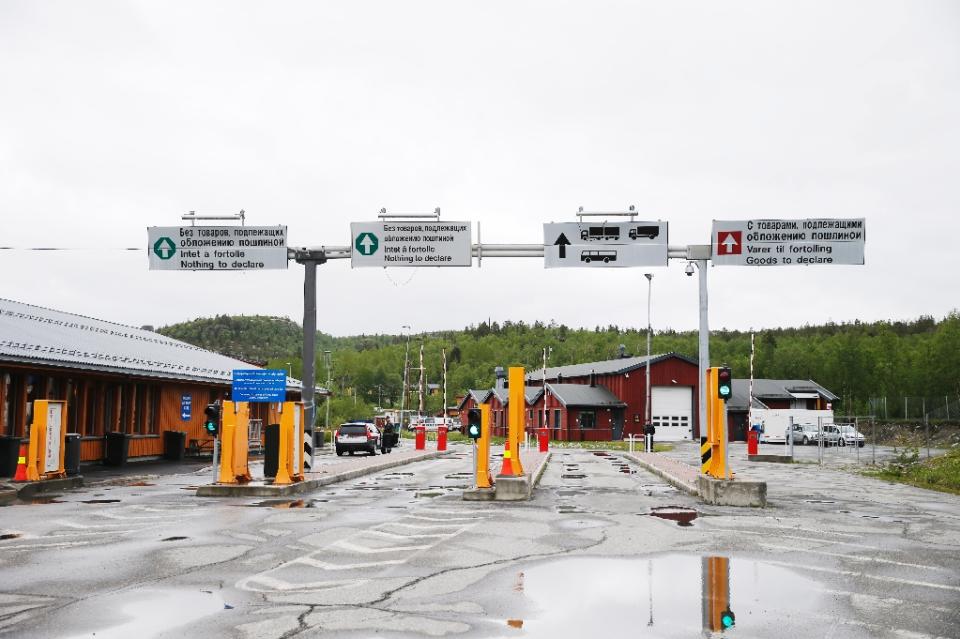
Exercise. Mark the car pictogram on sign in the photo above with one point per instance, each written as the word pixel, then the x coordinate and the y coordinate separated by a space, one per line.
pixel 729 242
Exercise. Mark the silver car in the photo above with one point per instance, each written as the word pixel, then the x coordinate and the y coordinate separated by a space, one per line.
pixel 802 434
pixel 849 436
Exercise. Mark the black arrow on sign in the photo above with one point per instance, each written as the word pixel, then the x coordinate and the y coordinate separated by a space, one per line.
pixel 563 243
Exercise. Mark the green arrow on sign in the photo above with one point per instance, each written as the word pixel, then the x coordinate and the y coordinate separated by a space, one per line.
pixel 164 248
pixel 367 243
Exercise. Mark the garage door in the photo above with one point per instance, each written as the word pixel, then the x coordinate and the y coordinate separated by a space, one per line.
pixel 672 412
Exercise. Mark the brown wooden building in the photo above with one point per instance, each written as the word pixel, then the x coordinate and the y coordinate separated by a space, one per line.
pixel 114 378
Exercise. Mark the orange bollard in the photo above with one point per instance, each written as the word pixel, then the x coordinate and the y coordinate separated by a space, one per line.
pixel 21 474
pixel 441 437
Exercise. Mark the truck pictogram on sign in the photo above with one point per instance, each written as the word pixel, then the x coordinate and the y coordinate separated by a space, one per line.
pixel 729 242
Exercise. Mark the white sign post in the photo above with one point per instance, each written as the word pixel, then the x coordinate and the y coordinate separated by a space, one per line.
pixel 217 248
pixel 788 242
pixel 605 244
pixel 429 243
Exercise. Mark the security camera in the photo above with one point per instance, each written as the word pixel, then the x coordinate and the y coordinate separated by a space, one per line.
pixel 689 269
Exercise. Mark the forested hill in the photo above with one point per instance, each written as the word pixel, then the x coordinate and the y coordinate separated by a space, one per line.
pixel 858 361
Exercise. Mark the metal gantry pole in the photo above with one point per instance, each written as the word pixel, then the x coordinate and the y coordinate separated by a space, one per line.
pixel 648 418
pixel 703 350
pixel 309 344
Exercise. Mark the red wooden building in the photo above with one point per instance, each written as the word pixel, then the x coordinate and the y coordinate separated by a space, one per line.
pixel 602 400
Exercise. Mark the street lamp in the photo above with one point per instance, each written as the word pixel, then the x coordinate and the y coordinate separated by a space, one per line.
pixel 649 277
pixel 406 363
pixel 326 361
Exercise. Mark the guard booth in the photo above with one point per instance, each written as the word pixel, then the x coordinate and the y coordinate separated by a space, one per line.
pixel 48 436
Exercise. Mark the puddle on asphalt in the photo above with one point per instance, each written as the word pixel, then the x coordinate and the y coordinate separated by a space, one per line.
pixel 151 613
pixel 671 595
pixel 174 539
pixel 99 501
pixel 10 536
pixel 140 483
pixel 573 476
pixel 601 454
pixel 683 516
pixel 45 499
pixel 819 501
pixel 282 503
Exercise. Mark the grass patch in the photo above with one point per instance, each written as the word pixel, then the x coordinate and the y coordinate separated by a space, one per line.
pixel 940 473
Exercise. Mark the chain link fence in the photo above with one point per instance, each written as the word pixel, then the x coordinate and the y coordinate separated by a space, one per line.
pixel 907 407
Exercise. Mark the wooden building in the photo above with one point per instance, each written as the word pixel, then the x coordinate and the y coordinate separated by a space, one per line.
pixel 114 378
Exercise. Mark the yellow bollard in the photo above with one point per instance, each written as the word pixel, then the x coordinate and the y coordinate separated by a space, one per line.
pixel 227 429
pixel 241 441
pixel 483 449
pixel 286 443
pixel 516 407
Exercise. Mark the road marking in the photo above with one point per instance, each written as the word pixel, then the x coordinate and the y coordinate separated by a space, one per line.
pixel 851 573
pixel 384 533
pixel 325 565
pixel 420 526
pixel 65 544
pixel 347 545
pixel 422 518
pixel 273 584
pixel 854 557
pixel 798 537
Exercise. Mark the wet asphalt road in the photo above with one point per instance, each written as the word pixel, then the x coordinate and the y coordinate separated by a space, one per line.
pixel 399 554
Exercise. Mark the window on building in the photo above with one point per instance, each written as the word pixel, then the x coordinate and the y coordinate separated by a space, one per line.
pixel 588 419
pixel 556 418
pixel 7 424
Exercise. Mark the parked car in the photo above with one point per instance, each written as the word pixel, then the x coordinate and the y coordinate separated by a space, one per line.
pixel 802 434
pixel 357 436
pixel 850 436
pixel 831 435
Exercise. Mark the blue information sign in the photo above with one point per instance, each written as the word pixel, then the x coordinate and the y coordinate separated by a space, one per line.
pixel 186 407
pixel 259 385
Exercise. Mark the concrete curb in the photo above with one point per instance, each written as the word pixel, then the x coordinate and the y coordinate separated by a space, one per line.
pixel 7 495
pixel 737 492
pixel 776 459
pixel 510 488
pixel 246 490
pixel 676 482
pixel 29 489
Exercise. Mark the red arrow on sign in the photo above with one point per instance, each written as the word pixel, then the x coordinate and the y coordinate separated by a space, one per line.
pixel 729 242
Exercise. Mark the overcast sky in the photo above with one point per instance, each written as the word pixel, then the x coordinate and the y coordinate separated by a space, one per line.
pixel 116 116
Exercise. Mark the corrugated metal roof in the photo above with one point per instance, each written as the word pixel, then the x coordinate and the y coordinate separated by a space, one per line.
pixel 584 395
pixel 479 397
pixel 35 335
pixel 773 389
pixel 530 394
pixel 604 367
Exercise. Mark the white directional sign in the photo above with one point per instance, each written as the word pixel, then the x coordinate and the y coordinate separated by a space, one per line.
pixel 217 248
pixel 605 244
pixel 788 242
pixel 410 244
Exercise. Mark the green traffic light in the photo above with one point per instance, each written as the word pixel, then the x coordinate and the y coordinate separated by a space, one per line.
pixel 725 391
pixel 727 619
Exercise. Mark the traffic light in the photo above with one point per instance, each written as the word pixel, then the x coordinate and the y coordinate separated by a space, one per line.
pixel 727 619
pixel 211 422
pixel 724 383
pixel 474 428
